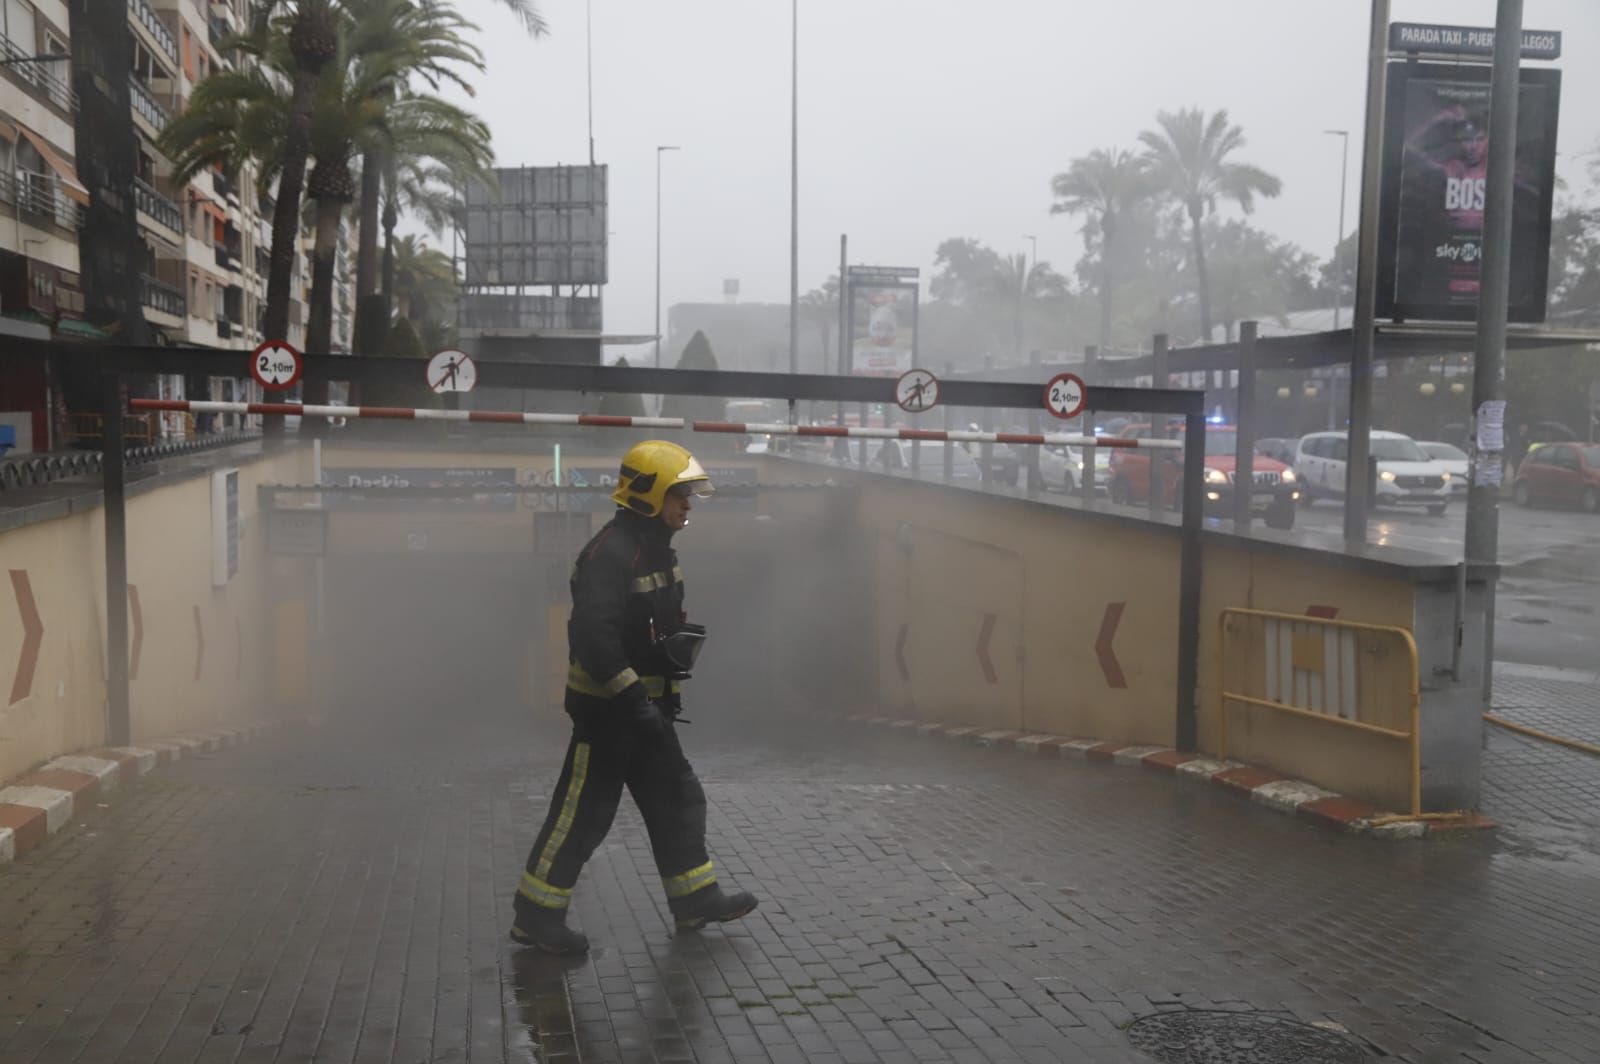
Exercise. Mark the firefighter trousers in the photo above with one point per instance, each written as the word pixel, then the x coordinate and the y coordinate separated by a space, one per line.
pixel 601 759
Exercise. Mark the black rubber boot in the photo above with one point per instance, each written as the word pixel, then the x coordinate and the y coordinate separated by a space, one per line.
pixel 547 930
pixel 711 904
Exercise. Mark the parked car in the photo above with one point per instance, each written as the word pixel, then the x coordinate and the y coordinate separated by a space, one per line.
pixel 1406 475
pixel 1061 467
pixel 1273 493
pixel 1454 460
pixel 1560 474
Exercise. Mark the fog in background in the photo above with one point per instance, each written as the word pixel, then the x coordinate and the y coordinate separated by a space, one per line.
pixel 936 119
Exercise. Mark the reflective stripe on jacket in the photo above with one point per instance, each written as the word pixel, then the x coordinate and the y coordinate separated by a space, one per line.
pixel 627 590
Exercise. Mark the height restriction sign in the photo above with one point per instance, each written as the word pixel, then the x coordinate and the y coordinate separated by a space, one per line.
pixel 275 365
pixel 1064 396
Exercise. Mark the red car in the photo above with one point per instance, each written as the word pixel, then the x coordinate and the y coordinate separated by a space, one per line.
pixel 1273 494
pixel 1560 474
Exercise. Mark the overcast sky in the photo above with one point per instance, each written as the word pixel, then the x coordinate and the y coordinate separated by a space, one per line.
pixel 927 119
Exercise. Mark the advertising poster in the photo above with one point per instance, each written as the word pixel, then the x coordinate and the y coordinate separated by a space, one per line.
pixel 883 329
pixel 1436 167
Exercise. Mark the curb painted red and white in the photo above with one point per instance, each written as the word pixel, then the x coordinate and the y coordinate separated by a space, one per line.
pixel 1271 789
pixel 43 802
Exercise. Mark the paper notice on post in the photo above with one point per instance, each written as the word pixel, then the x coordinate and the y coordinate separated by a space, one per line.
pixel 1492 426
pixel 1488 472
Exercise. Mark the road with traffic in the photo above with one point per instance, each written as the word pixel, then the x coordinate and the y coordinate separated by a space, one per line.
pixel 1550 582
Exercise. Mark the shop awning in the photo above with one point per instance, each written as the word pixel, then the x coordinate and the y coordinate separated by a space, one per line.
pixel 63 169
pixel 77 327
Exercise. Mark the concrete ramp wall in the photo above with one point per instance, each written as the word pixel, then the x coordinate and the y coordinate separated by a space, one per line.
pixel 200 654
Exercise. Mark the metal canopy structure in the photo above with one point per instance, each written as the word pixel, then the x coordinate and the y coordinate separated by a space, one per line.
pixel 1328 348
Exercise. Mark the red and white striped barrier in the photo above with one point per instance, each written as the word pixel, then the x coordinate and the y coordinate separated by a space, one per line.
pixel 741 428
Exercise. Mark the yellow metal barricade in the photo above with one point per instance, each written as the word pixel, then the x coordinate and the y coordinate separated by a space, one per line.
pixel 1342 673
pixel 136 428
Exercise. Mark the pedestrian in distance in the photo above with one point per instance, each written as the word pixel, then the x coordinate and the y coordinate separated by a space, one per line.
pixel 630 647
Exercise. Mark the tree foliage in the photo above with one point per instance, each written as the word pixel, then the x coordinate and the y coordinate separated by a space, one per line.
pixel 1188 156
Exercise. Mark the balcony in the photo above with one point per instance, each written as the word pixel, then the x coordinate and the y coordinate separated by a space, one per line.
pixel 263 261
pixel 157 206
pixel 162 297
pixel 51 79
pixel 43 196
pixel 145 105
pixel 147 18
pixel 223 186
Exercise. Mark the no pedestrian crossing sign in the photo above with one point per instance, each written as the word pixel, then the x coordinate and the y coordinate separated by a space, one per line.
pixel 1065 395
pixel 452 371
pixel 916 390
pixel 276 365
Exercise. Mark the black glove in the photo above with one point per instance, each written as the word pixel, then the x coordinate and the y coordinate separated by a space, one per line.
pixel 672 706
pixel 635 710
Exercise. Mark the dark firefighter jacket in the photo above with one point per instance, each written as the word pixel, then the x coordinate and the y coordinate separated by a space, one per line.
pixel 627 592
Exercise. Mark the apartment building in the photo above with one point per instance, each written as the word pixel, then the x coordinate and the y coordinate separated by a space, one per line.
pixel 41 198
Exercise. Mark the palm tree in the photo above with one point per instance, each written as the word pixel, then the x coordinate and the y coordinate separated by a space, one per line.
pixel 821 308
pixel 351 117
pixel 424 280
pixel 1103 185
pixel 310 28
pixel 430 35
pixel 1015 283
pixel 1188 158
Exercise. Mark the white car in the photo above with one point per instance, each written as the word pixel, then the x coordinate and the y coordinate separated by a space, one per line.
pixel 1061 467
pixel 1407 476
pixel 1454 460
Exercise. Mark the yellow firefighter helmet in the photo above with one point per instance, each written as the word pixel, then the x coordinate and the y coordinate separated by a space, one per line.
pixel 653 467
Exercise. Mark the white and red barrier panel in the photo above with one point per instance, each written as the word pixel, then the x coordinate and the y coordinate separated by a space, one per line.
pixel 741 428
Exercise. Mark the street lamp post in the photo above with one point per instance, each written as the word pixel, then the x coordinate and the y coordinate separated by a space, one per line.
pixel 659 149
pixel 794 192
pixel 1338 253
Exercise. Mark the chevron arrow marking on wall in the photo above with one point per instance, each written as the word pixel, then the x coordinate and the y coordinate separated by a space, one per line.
pixel 32 635
pixel 1109 665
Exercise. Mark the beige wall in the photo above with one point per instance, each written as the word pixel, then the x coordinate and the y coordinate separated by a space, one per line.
pixel 1041 577
pixel 169 562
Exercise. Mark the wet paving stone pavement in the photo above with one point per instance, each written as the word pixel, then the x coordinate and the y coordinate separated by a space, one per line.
pixel 342 893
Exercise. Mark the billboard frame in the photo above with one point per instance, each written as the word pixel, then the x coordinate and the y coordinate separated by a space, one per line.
pixel 575 263
pixel 881 281
pixel 1402 73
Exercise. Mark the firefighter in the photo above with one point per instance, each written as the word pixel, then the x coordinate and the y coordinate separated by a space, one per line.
pixel 630 646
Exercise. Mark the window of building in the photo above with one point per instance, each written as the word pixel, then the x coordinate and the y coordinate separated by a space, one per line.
pixel 20 26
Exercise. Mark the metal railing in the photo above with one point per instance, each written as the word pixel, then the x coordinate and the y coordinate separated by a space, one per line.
pixel 48 78
pixel 31 471
pixel 44 195
pixel 158 295
pixel 1346 674
pixel 152 202
pixel 145 103
pixel 152 22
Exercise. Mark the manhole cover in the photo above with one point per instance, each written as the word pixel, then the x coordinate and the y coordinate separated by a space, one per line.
pixel 1239 1038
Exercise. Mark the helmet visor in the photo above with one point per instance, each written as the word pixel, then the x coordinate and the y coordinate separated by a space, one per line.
pixel 700 489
